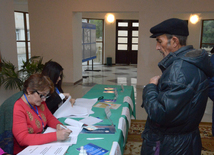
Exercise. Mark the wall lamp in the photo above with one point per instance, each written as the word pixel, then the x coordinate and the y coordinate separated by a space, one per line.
pixel 110 18
pixel 194 18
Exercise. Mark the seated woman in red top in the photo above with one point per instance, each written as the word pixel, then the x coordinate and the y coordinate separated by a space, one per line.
pixel 31 115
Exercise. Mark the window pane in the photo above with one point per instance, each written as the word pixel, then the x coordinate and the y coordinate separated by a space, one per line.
pixel 122 40
pixel 207 47
pixel 98 53
pixel 208 31
pixel 19 24
pixel 122 47
pixel 93 34
pixel 134 40
pixel 29 50
pixel 99 28
pixel 28 26
pixel 123 24
pixel 123 33
pixel 21 52
pixel 84 20
pixel 122 80
pixel 135 24
pixel 135 33
pixel 134 47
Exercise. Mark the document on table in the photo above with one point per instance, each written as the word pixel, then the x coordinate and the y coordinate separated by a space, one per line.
pixel 82 107
pixel 90 120
pixel 72 137
pixel 73 122
pixel 44 150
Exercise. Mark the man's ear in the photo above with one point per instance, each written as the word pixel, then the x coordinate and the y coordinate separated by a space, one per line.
pixel 175 42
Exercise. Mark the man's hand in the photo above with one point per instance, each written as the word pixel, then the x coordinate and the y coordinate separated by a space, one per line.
pixel 155 79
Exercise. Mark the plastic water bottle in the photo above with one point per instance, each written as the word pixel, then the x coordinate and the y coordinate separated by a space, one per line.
pixel 82 151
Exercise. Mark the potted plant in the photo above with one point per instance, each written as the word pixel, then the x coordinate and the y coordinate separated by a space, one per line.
pixel 11 78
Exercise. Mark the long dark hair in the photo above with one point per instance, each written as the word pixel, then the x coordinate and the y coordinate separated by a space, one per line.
pixel 52 69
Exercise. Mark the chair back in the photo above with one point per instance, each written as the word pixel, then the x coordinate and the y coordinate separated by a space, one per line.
pixel 6 121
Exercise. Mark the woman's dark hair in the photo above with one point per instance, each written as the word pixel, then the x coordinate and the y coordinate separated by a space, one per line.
pixel 38 82
pixel 53 70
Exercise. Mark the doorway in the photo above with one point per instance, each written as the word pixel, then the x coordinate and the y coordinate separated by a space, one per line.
pixel 126 41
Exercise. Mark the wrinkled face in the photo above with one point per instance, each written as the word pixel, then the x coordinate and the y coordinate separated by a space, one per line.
pixel 164 46
pixel 38 97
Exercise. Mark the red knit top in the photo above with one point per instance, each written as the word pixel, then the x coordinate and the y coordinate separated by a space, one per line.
pixel 28 128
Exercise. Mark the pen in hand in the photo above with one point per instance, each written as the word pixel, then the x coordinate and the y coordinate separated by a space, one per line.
pixel 63 127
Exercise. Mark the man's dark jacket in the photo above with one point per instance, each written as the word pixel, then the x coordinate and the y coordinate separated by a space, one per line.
pixel 176 105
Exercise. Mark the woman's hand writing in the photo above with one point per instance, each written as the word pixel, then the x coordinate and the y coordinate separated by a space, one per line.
pixel 62 134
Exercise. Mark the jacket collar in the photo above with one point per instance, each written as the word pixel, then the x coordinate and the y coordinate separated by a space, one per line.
pixel 172 56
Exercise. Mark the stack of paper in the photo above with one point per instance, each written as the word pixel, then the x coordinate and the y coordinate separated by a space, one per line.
pixel 81 108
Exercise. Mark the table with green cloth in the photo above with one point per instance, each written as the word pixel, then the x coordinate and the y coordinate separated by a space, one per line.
pixel 106 143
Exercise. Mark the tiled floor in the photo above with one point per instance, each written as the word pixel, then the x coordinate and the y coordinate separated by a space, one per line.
pixel 117 75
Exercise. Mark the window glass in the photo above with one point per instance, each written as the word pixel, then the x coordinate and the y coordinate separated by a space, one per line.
pixel 135 24
pixel 21 51
pixel 84 20
pixel 134 47
pixel 123 33
pixel 28 27
pixel 207 42
pixel 19 23
pixel 122 47
pixel 135 33
pixel 122 40
pixel 134 40
pixel 22 37
pixel 122 24
pixel 99 28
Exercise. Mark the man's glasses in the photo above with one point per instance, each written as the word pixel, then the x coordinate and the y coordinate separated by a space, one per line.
pixel 42 96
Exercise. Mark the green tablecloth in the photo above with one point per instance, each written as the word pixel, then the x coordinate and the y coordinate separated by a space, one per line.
pixel 106 143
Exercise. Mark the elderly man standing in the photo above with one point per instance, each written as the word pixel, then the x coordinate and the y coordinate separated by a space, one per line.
pixel 176 100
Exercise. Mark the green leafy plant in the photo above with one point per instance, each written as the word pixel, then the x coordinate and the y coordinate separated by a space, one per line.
pixel 11 78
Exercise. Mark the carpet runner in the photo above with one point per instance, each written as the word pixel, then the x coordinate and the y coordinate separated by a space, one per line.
pixel 134 140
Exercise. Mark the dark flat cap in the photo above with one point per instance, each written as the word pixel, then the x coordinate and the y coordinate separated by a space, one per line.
pixel 172 26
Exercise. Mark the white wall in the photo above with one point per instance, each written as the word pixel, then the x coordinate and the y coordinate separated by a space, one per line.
pixel 51 14
pixel 55 35
pixel 7 40
pixel 52 28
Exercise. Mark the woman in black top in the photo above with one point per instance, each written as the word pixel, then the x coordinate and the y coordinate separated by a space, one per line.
pixel 55 72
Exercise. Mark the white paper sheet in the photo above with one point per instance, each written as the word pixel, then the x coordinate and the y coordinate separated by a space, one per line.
pixel 115 149
pixel 87 103
pixel 126 112
pixel 129 101
pixel 72 137
pixel 81 108
pixel 64 109
pixel 44 150
pixel 91 120
pixel 73 122
pixel 122 126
